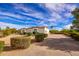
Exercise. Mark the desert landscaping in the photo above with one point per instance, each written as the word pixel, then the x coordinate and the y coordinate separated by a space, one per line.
pixel 54 45
pixel 38 30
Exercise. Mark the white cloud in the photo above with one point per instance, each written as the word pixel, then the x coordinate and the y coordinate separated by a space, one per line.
pixel 58 28
pixel 16 20
pixel 52 20
pixel 4 25
pixel 58 7
pixel 31 12
pixel 11 14
pixel 36 14
pixel 67 15
pixel 22 7
pixel 7 15
pixel 67 26
pixel 56 10
pixel 70 7
pixel 56 16
pixel 55 7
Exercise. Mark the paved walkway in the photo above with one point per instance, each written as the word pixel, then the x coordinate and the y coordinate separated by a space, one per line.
pixel 54 45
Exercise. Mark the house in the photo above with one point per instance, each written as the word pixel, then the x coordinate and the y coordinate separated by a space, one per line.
pixel 74 27
pixel 40 29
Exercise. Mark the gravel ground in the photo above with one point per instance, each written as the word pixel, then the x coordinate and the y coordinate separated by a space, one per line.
pixel 54 45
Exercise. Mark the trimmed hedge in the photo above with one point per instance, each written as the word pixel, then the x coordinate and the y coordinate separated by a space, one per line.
pixel 40 37
pixel 20 42
pixel 1 46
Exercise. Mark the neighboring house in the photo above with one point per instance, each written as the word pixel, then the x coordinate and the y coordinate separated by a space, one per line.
pixel 42 29
pixel 74 27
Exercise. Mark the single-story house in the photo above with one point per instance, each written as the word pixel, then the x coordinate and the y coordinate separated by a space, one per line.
pixel 74 27
pixel 40 29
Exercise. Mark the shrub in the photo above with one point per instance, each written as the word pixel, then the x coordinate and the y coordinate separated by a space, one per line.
pixel 54 32
pixel 20 42
pixel 13 30
pixel 29 34
pixel 45 35
pixel 66 32
pixel 6 32
pixel 9 31
pixel 75 35
pixel 18 32
pixel 40 37
pixel 1 35
pixel 1 46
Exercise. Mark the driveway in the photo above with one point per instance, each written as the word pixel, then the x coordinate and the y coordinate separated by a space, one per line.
pixel 54 45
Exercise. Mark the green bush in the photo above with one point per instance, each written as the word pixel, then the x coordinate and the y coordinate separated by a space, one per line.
pixel 75 35
pixel 66 32
pixel 54 32
pixel 8 31
pixel 40 37
pixel 1 46
pixel 29 34
pixel 19 32
pixel 1 35
pixel 45 35
pixel 20 42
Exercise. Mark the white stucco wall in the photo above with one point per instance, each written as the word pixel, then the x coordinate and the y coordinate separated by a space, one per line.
pixel 28 30
pixel 40 30
pixel 46 30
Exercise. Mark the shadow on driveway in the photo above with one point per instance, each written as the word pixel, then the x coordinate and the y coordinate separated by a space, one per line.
pixel 63 44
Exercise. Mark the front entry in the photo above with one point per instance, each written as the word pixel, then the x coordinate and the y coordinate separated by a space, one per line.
pixel 34 31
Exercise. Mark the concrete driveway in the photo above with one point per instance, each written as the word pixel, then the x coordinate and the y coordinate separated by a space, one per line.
pixel 54 45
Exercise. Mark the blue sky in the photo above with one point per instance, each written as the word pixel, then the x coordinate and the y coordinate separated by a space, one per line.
pixel 27 15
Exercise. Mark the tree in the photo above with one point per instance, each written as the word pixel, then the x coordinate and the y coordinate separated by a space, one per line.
pixel 0 28
pixel 75 13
